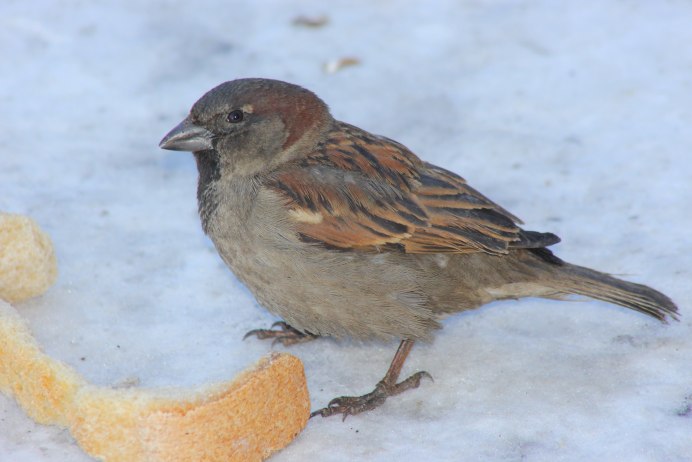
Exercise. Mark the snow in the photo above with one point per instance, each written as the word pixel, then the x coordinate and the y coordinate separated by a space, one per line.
pixel 575 116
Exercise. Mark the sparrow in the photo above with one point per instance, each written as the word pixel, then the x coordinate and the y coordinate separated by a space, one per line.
pixel 344 233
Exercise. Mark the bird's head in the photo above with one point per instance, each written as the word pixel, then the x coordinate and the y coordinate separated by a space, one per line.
pixel 247 126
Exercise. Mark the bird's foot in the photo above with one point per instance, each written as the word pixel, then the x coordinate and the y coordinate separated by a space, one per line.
pixel 351 405
pixel 286 335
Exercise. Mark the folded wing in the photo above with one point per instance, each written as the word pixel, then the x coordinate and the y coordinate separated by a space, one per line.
pixel 363 192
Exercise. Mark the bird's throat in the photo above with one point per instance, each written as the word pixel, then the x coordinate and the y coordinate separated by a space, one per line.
pixel 209 169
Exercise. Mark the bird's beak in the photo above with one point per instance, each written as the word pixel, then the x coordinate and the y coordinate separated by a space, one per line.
pixel 187 136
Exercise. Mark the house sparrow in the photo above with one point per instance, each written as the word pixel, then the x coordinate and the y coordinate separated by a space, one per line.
pixel 344 233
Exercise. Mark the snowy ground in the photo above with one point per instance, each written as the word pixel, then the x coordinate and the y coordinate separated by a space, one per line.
pixel 576 116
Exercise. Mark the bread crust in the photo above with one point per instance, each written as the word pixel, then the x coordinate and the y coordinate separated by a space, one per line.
pixel 248 418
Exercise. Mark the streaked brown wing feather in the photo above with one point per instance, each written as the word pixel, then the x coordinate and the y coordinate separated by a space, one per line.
pixel 364 192
pixel 461 218
pixel 345 210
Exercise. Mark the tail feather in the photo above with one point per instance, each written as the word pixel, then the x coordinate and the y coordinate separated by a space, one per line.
pixel 584 281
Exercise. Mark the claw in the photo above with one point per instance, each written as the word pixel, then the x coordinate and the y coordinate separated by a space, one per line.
pixel 286 335
pixel 252 332
pixel 351 405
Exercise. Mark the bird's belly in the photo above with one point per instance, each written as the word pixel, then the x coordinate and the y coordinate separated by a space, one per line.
pixel 332 293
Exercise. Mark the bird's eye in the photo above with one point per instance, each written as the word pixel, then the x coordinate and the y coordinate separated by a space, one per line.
pixel 235 116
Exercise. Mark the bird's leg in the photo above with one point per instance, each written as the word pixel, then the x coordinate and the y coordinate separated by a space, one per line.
pixel 348 405
pixel 286 335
